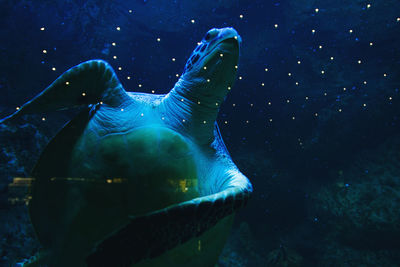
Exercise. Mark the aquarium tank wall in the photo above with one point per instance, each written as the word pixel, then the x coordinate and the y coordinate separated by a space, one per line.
pixel 204 133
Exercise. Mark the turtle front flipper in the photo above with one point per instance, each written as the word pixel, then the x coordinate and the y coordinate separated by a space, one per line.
pixel 149 236
pixel 90 82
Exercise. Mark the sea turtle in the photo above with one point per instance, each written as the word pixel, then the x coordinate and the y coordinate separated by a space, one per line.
pixel 138 179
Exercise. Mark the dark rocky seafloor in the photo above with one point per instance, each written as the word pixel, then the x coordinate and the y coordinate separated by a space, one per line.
pixel 21 146
pixel 350 219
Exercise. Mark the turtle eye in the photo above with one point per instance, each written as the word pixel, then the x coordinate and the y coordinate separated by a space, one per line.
pixel 210 34
pixel 207 37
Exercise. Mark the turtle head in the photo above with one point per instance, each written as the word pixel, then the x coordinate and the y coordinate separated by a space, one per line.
pixel 209 74
pixel 214 61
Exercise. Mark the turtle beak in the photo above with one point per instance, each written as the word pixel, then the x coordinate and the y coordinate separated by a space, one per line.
pixel 216 44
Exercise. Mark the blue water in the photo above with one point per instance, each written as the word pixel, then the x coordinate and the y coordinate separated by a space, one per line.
pixel 312 119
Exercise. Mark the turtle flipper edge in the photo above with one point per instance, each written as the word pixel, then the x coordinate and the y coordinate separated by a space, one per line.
pixel 151 235
pixel 90 82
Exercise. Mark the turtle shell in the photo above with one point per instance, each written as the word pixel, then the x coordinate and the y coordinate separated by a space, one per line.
pixel 108 219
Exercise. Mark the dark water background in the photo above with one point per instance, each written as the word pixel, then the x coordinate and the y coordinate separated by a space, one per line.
pixel 321 149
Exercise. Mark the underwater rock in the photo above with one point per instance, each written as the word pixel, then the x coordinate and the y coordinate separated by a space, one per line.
pixel 32 140
pixel 361 208
pixel 18 240
pixel 241 249
pixel 20 147
pixel 335 254
pixel 284 257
